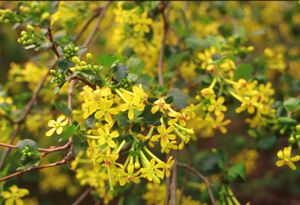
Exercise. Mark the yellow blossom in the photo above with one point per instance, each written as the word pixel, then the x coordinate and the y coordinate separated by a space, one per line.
pixel 57 126
pixel 286 158
pixel 14 195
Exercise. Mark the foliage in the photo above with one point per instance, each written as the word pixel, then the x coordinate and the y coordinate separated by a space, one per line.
pixel 134 95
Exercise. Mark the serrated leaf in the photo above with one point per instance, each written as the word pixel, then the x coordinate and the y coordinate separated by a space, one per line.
pixel 63 107
pixel 244 71
pixel 69 131
pixel 237 171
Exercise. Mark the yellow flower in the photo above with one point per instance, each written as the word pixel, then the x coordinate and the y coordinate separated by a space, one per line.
pixel 142 23
pixel 105 110
pixel 217 106
pixel 13 197
pixel 133 101
pixel 105 136
pixel 160 105
pixel 164 135
pixel 57 125
pixel 220 124
pixel 285 158
pixel 151 171
pixel 207 58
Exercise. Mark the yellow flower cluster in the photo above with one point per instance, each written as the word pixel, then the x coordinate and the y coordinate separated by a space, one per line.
pixel 255 98
pixel 156 195
pixel 120 124
pixel 30 74
pixel 274 60
pixel 208 114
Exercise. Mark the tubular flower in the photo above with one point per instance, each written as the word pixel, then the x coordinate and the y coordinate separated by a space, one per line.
pixel 286 158
pixel 57 126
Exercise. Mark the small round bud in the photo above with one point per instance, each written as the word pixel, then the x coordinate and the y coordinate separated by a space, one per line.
pixel 75 60
pixel 30 27
pixel 89 56
pixel 45 15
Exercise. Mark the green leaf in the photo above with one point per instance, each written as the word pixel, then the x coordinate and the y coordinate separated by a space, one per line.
pixel 244 71
pixel 28 154
pixel 196 43
pixel 292 104
pixel 62 107
pixel 286 121
pixel 176 59
pixel 266 143
pixel 90 121
pixel 120 72
pixel 27 143
pixel 180 99
pixel 237 171
pixel 69 131
pixel 63 64
pixel 106 60
pixel 135 65
pixel 149 117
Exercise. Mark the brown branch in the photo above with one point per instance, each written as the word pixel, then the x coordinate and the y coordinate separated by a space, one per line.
pixel 82 196
pixel 87 24
pixel 45 150
pixel 170 182
pixel 65 160
pixel 84 81
pixel 54 46
pixel 202 177
pixel 61 162
pixel 92 35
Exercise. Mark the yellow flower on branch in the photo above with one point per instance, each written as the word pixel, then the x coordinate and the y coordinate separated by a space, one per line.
pixel 132 101
pixel 286 158
pixel 105 136
pixel 57 126
pixel 165 135
pixel 14 195
pixel 106 110
pixel 160 105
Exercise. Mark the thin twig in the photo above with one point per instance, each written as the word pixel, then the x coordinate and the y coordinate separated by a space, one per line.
pixel 202 177
pixel 45 150
pixel 61 162
pixel 170 182
pixel 96 27
pixel 54 46
pixel 87 24
pixel 82 196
